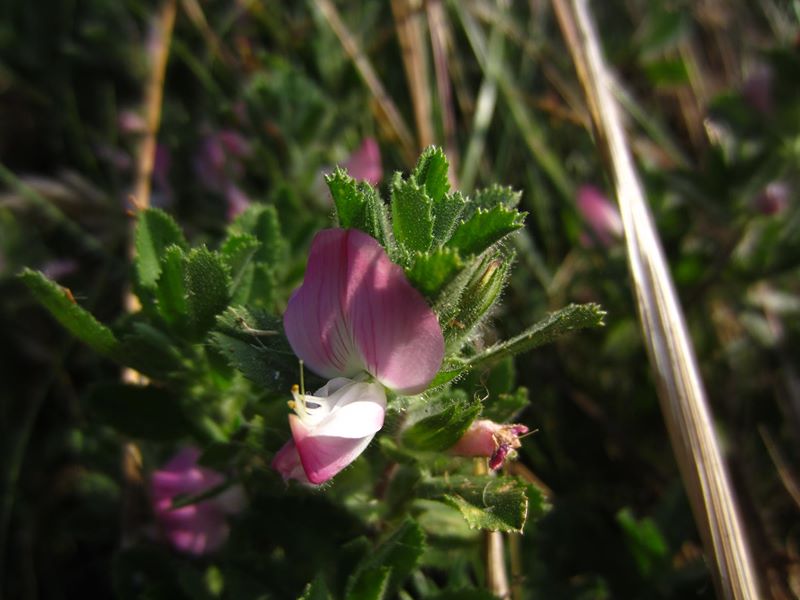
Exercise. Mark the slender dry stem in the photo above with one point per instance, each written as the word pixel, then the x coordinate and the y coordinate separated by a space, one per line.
pixel 408 23
pixel 163 25
pixel 679 386
pixel 440 42
pixel 367 73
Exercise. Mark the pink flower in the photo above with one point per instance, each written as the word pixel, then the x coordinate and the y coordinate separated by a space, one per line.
pixel 198 528
pixel 602 216
pixel 219 159
pixel 365 163
pixel 757 89
pixel 773 199
pixel 487 438
pixel 356 315
pixel 330 429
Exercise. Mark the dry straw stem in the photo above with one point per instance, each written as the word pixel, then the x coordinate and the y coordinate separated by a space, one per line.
pixel 408 23
pixel 163 24
pixel 679 386
pixel 367 73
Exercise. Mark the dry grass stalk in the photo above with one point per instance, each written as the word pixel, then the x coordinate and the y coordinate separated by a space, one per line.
pixel 367 73
pixel 440 43
pixel 408 23
pixel 680 389
pixel 163 25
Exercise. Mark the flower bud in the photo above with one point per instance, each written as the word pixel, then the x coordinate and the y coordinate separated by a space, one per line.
pixel 493 440
pixel 600 214
pixel 774 198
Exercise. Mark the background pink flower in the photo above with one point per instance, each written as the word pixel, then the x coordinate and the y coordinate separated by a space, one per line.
pixel 365 163
pixel 198 528
pixel 600 214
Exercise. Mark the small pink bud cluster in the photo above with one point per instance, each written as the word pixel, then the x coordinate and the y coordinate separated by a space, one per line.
pixel 493 440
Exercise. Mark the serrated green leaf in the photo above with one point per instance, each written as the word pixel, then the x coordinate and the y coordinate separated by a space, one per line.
pixel 431 173
pixel 447 213
pixel 207 283
pixel 370 584
pixel 432 271
pixel 254 343
pixel 501 408
pixel 262 287
pixel 170 290
pixel 494 195
pixel 490 503
pixel 261 221
pixel 61 304
pixel 238 251
pixel 566 320
pixel 155 232
pixel 484 228
pixel 316 590
pixel 358 206
pixel 412 215
pixel 449 415
pixel 150 352
pixel 144 412
pixel 400 553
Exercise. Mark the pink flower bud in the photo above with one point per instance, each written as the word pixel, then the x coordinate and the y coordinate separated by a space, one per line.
pixel 773 199
pixel 490 439
pixel 600 214
pixel 365 163
pixel 197 528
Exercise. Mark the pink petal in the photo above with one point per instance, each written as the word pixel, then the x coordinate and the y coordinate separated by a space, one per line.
pixel 365 163
pixel 601 215
pixel 357 311
pixel 287 462
pixel 323 456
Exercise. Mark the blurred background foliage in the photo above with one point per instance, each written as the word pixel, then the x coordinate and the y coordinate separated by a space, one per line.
pixel 711 94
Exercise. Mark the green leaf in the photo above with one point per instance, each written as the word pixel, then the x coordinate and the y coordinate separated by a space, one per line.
pixel 568 319
pixel 359 206
pixel 399 553
pixel 254 343
pixel 503 407
pixel 431 172
pixel 261 221
pixel 237 251
pixel 155 232
pixel 644 540
pixel 151 352
pixel 207 284
pixel 144 412
pixel 491 503
pixel 61 304
pixel 446 215
pixel 316 590
pixel 452 413
pixel 171 286
pixel 370 584
pixel 494 195
pixel 412 215
pixel 484 228
pixel 432 271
